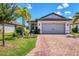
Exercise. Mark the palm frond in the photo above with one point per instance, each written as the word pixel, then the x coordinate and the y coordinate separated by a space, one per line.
pixel 76 17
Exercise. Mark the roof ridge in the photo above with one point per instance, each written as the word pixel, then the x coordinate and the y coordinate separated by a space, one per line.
pixel 55 14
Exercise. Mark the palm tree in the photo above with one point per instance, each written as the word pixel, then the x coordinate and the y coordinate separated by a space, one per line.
pixel 6 15
pixel 24 13
pixel 76 17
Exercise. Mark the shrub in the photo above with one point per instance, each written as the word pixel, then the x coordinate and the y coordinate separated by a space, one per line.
pixel 27 27
pixel 14 35
pixel 74 29
pixel 36 31
pixel 19 30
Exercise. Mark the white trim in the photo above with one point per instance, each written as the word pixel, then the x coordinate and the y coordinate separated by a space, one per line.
pixel 52 21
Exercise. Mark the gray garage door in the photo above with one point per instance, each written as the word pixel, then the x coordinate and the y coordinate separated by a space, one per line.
pixel 50 28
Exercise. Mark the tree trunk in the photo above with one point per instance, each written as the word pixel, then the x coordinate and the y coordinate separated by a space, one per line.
pixel 3 36
pixel 23 23
pixel 29 29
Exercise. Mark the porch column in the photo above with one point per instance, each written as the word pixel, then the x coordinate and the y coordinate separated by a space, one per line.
pixel 67 28
pixel 40 27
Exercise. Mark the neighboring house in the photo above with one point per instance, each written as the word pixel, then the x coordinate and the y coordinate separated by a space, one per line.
pixel 9 27
pixel 52 24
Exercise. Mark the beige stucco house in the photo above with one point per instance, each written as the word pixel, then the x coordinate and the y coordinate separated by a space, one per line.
pixel 53 24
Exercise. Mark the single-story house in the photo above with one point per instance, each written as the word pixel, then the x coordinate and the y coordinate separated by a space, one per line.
pixel 9 27
pixel 52 24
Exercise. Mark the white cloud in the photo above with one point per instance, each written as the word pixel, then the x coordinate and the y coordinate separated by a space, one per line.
pixel 65 5
pixel 59 7
pixel 67 12
pixel 29 6
pixel 58 13
pixel 70 17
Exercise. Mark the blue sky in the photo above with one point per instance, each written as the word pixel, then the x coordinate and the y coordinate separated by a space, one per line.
pixel 38 10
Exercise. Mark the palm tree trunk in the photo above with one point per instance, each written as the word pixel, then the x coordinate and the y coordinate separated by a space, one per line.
pixel 3 36
pixel 30 29
pixel 23 23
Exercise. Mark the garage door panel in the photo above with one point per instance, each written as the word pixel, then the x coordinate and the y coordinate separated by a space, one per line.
pixel 53 28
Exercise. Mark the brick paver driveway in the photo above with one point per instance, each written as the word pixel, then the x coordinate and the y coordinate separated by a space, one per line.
pixel 55 45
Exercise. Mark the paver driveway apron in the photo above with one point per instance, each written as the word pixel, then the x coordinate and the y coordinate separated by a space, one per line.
pixel 51 45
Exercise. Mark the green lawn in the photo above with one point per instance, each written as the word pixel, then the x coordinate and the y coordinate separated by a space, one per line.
pixel 75 34
pixel 17 47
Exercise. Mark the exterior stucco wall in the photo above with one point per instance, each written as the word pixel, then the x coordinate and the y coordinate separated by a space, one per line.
pixel 8 28
pixel 78 27
pixel 39 25
pixel 67 28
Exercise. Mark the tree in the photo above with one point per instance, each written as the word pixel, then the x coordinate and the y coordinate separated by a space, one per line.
pixel 7 14
pixel 24 13
pixel 76 17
